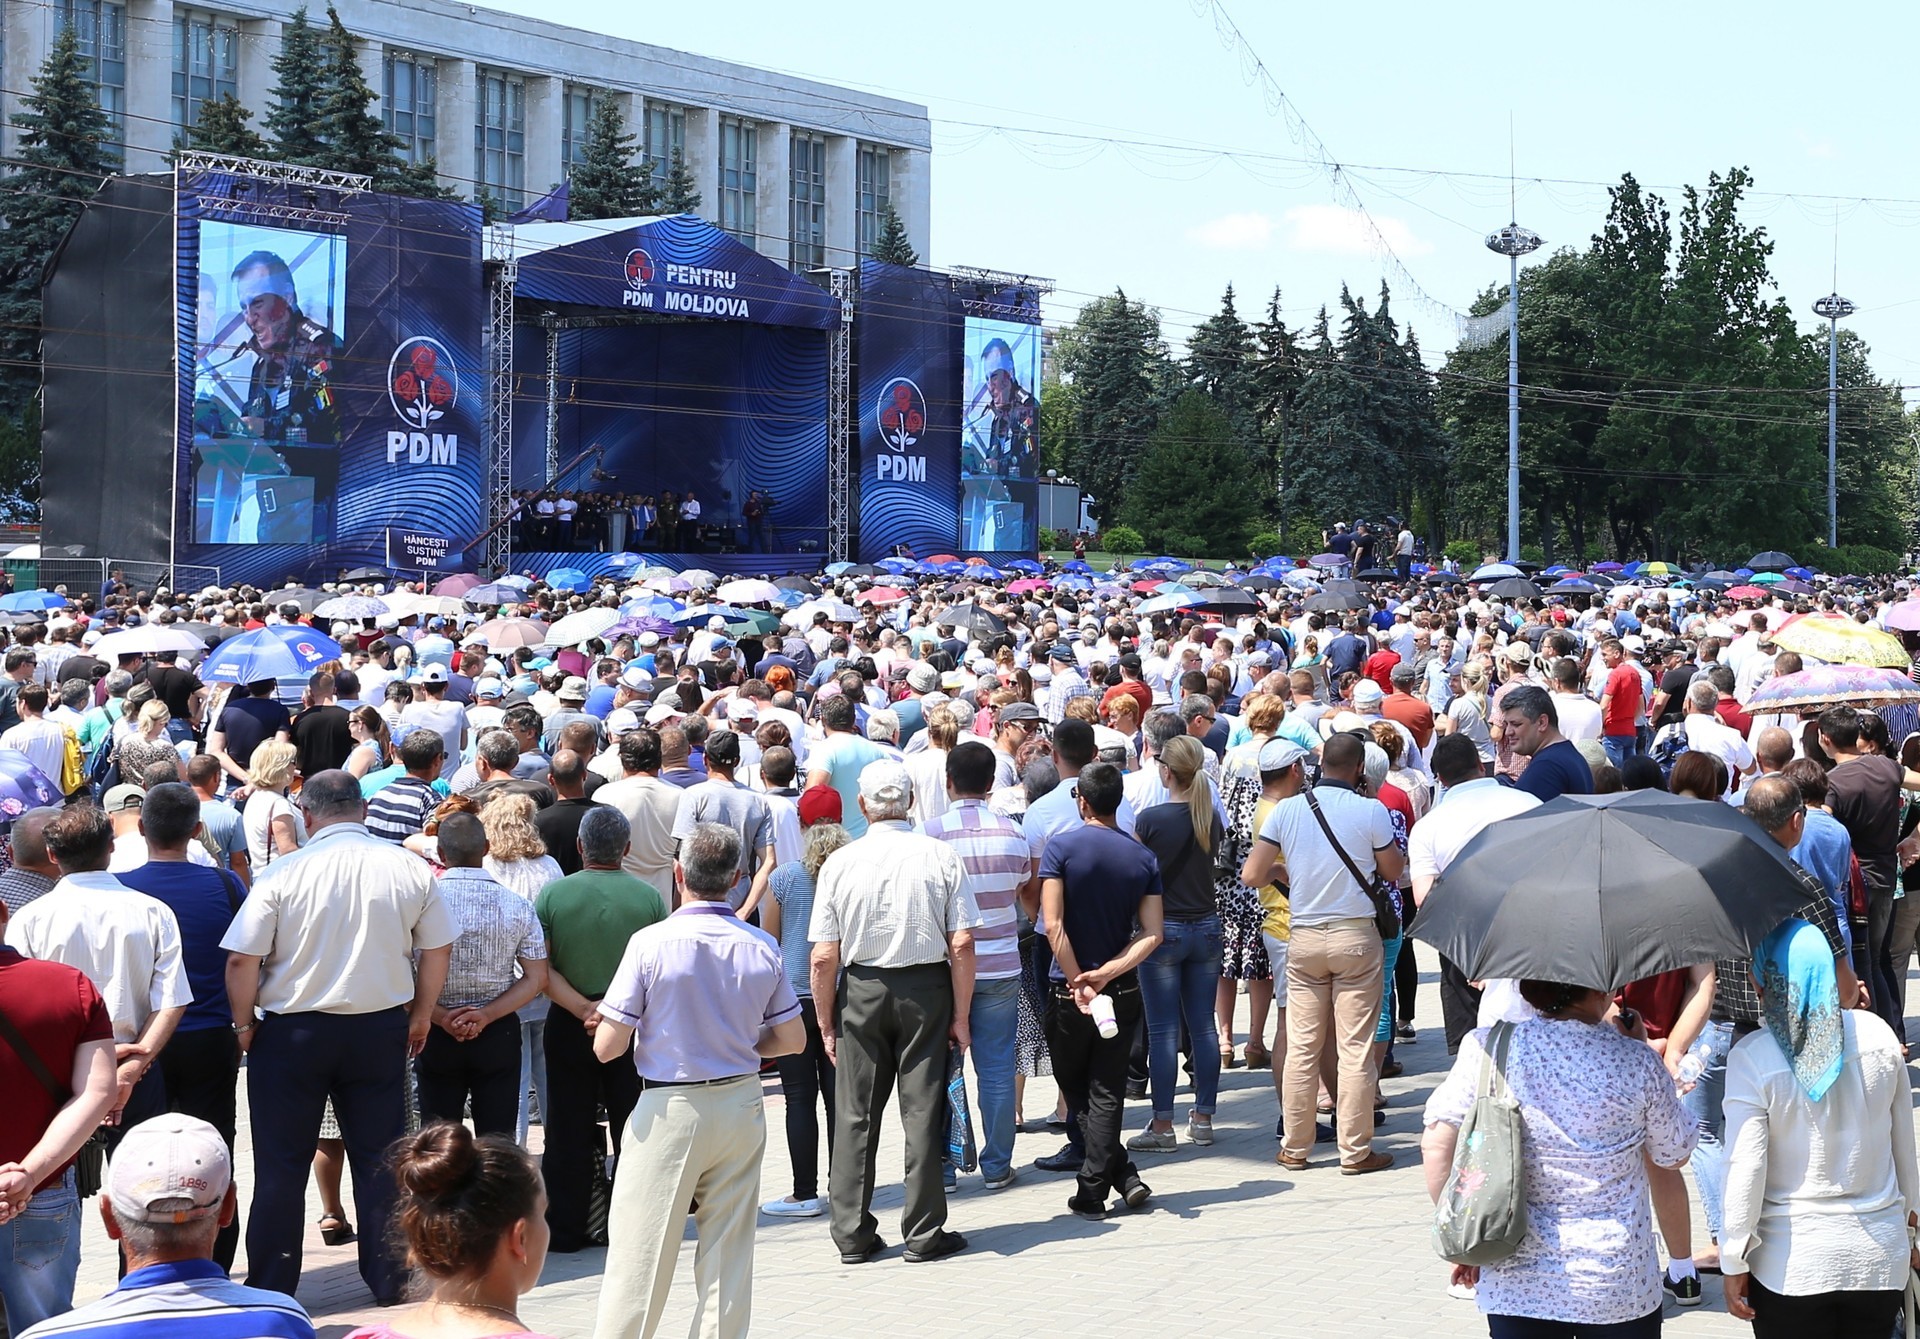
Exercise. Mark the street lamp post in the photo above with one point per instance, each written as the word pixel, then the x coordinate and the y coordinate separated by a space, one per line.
pixel 1832 307
pixel 1513 242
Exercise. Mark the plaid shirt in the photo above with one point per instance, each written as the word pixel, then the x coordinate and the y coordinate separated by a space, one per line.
pixel 1734 998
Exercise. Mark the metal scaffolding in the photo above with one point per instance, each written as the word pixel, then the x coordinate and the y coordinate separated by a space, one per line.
pixel 840 421
pixel 502 271
pixel 239 198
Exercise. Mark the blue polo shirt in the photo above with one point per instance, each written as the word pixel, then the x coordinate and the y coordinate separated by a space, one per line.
pixel 187 1299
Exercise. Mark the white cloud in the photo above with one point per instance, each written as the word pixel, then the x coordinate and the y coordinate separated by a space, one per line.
pixel 1332 230
pixel 1234 232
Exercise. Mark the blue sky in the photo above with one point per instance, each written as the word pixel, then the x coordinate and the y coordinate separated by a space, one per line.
pixel 1669 92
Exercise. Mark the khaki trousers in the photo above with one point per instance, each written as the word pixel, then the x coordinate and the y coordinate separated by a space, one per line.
pixel 1334 977
pixel 685 1144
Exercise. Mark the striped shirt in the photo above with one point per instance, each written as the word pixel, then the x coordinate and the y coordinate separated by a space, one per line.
pixel 497 929
pixel 993 853
pixel 400 810
pixel 191 1299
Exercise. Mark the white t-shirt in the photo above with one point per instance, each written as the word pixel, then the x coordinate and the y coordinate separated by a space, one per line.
pixel 1579 716
pixel 1319 886
pixel 43 741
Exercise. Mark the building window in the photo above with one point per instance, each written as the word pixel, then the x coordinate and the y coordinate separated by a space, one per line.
pixel 807 208
pixel 576 115
pixel 412 85
pixel 206 63
pixel 500 137
pixel 737 203
pixel 664 135
pixel 101 26
pixel 875 170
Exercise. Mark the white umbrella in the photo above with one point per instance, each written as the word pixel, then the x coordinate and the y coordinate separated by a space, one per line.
pixel 700 576
pixel 583 626
pixel 749 591
pixel 835 611
pixel 146 640
pixel 403 603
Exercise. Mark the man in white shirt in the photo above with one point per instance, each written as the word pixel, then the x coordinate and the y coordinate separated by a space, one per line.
pixel 1403 553
pixel 43 741
pixel 1579 714
pixel 1707 733
pixel 1469 800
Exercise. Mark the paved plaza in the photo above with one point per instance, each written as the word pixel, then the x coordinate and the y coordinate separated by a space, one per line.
pixel 1229 1243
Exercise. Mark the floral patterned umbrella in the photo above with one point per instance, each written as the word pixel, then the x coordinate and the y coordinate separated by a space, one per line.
pixel 1833 685
pixel 1841 641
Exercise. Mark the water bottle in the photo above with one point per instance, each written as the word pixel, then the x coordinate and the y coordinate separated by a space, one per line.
pixel 1102 1011
pixel 1692 1065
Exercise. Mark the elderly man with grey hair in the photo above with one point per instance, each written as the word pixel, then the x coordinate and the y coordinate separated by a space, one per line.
pixel 587 919
pixel 699 999
pixel 892 909
pixel 1707 733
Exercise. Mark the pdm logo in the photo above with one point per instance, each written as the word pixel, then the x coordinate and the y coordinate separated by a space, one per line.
pixel 423 384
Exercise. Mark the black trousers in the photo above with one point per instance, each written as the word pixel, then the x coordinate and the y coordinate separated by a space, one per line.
pixel 1459 1004
pixel 1834 1315
pixel 296 1063
pixel 485 1070
pixel 202 1070
pixel 577 1085
pixel 1092 1072
pixel 806 1081
pixel 1406 974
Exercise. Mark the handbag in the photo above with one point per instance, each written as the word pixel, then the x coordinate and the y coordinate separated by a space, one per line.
pixel 962 1151
pixel 90 1163
pixel 1481 1215
pixel 1386 916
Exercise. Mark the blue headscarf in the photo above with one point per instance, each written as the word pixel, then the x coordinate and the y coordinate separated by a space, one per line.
pixel 1801 1003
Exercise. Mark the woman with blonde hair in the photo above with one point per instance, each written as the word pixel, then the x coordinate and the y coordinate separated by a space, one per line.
pixel 1469 714
pixel 1177 982
pixel 274 824
pixel 928 768
pixel 146 744
pixel 806 1079
pixel 517 857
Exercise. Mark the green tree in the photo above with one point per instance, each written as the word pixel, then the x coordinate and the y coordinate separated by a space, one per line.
pixel 65 149
pixel 1195 491
pixel 1117 362
pixel 294 122
pixel 1277 376
pixel 1220 364
pixel 1874 460
pixel 678 195
pixel 354 137
pixel 610 181
pixel 891 247
pixel 221 127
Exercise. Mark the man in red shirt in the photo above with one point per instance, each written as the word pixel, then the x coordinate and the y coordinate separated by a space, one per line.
pixel 1130 685
pixel 1379 667
pixel 1730 712
pixel 1619 705
pixel 54 1013
pixel 1402 706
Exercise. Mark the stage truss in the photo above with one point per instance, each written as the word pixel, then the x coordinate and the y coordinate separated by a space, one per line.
pixel 502 269
pixel 840 422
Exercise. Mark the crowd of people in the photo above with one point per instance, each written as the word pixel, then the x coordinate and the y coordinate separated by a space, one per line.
pixel 568 520
pixel 433 895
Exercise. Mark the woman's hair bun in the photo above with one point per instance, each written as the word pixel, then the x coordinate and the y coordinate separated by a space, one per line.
pixel 437 1161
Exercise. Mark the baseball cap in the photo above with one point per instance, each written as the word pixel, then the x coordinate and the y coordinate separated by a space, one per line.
pixel 1276 755
pixel 173 1168
pixel 1519 653
pixel 660 712
pixel 620 720
pixel 123 796
pixel 488 687
pixel 1060 651
pixel 886 784
pixel 636 678
pixel 430 674
pixel 1017 711
pixel 572 689
pixel 1367 695
pixel 716 624
pixel 649 639
pixel 820 804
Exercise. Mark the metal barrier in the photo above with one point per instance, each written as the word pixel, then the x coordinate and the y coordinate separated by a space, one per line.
pixel 80 576
pixel 187 577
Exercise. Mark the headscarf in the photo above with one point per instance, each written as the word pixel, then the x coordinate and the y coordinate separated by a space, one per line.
pixel 1801 1003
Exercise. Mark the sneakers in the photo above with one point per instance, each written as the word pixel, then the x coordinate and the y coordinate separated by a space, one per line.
pixel 793 1208
pixel 1404 1032
pixel 1000 1182
pixel 943 1244
pixel 1202 1134
pixel 1068 1159
pixel 1684 1292
pixel 1377 1161
pixel 949 1179
pixel 1151 1140
pixel 1135 1194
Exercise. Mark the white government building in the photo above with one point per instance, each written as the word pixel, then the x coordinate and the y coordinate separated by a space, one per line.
pixel 800 170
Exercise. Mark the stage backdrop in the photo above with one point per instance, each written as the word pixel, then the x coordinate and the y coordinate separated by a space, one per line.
pixel 948 396
pixel 330 377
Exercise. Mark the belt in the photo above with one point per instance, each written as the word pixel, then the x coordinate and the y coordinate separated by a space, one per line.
pixel 694 1083
pixel 1344 923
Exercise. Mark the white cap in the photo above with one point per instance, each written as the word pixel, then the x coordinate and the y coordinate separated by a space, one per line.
pixel 170 1169
pixel 667 710
pixel 488 687
pixel 620 720
pixel 649 639
pixel 885 784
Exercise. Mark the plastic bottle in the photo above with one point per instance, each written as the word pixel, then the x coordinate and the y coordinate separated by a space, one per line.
pixel 1102 1011
pixel 1692 1065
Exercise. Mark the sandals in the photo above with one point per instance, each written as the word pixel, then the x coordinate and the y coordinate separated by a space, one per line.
pixel 1227 1060
pixel 1259 1057
pixel 339 1234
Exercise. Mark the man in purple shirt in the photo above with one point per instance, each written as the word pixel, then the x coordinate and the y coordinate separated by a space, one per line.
pixel 703 998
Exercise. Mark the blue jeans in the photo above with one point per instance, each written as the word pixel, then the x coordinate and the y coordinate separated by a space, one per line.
pixel 1704 1103
pixel 1390 954
pixel 994 1020
pixel 1619 748
pixel 533 1073
pixel 1178 983
pixel 40 1256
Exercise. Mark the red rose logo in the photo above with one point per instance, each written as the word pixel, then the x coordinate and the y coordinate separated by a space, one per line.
pixel 422 381
pixel 901 414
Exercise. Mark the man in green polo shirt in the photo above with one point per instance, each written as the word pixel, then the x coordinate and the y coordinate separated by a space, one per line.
pixel 588 918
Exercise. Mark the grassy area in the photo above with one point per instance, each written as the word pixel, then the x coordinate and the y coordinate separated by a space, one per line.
pixel 1101 561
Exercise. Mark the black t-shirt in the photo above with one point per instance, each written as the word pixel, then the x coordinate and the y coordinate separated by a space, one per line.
pixel 175 687
pixel 79 667
pixel 1674 684
pixel 1186 871
pixel 322 739
pixel 249 722
pixel 1106 875
pixel 559 826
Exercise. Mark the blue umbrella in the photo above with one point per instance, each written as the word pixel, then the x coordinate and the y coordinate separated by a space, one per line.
pixel 351 607
pixel 1743 572
pixel 31 601
pixel 1167 604
pixel 1074 581
pixel 568 579
pixel 1027 565
pixel 22 787
pixel 1632 569
pixel 1079 567
pixel 635 624
pixel 1557 570
pixel 836 569
pixel 654 606
pixel 516 581
pixel 278 651
pixel 897 566
pixel 625 562
pixel 498 592
pixel 1800 573
pixel 1575 586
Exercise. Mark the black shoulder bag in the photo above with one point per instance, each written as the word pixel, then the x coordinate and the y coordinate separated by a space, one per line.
pixel 1386 917
pixel 90 1162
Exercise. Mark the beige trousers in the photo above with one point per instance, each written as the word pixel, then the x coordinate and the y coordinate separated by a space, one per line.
pixel 685 1145
pixel 1334 976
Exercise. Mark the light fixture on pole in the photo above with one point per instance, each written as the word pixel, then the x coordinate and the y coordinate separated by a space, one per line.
pixel 1513 242
pixel 1832 308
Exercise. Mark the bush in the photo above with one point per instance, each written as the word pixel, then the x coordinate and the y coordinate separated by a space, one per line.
pixel 1122 540
pixel 1853 559
pixel 1055 539
pixel 1267 543
pixel 1463 551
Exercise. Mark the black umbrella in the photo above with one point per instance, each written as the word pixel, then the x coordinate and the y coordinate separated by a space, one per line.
pixel 1720 575
pixel 481 597
pixel 1260 581
pixel 1377 574
pixel 366 574
pixel 863 570
pixel 1229 601
pixel 1334 602
pixel 975 619
pixel 1601 579
pixel 1771 561
pixel 1514 588
pixel 1573 586
pixel 304 596
pixel 798 583
pixel 1600 890
pixel 1343 586
pixel 1526 566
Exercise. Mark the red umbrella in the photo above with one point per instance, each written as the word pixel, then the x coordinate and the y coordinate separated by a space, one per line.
pixel 1145 587
pixel 1746 593
pixel 880 595
pixel 458 584
pixel 942 558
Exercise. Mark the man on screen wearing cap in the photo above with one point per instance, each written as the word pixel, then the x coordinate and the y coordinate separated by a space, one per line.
pixel 893 909
pixel 169 1193
pixel 293 353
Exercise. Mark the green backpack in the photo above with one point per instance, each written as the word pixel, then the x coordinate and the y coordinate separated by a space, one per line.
pixel 1481 1216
